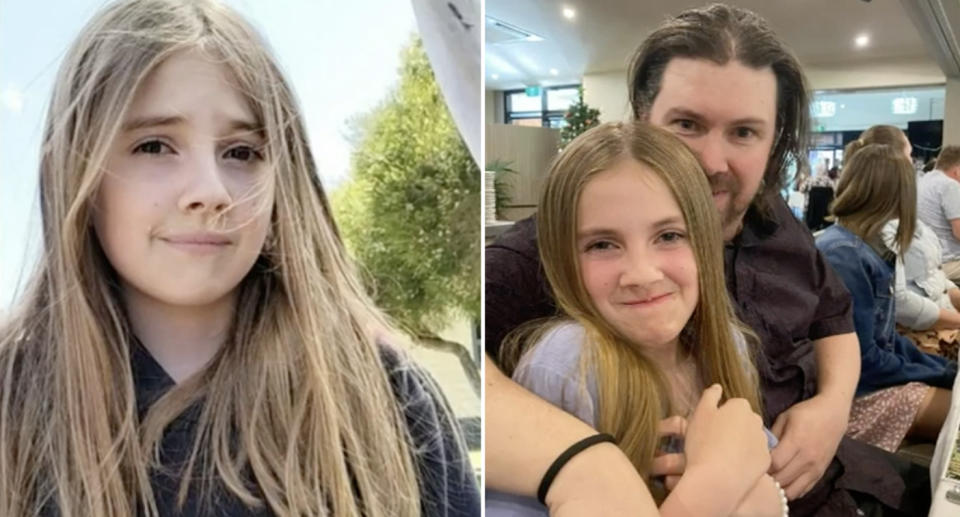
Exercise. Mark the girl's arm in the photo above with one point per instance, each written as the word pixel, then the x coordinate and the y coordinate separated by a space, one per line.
pixel 524 434
pixel 917 312
pixel 764 500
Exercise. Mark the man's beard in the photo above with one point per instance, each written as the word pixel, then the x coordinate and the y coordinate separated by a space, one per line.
pixel 731 215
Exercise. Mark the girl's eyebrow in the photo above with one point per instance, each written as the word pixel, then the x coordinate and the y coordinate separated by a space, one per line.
pixel 152 121
pixel 590 232
pixel 669 221
pixel 587 233
pixel 246 126
pixel 173 120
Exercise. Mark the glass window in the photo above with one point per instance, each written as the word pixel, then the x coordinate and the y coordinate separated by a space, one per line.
pixel 561 98
pixel 856 110
pixel 557 122
pixel 520 102
pixel 528 111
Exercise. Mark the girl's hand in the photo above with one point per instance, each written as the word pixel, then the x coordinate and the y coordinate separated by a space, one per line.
pixel 726 443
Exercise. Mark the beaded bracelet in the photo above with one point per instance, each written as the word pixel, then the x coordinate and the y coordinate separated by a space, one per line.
pixel 783 499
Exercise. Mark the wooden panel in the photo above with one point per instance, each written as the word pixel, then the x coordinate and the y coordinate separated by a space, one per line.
pixel 530 150
pixel 515 213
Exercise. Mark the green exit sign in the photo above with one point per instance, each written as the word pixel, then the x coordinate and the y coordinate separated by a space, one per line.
pixel 533 91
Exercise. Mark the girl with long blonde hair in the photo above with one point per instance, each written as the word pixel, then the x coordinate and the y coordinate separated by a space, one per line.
pixel 195 340
pixel 902 391
pixel 631 244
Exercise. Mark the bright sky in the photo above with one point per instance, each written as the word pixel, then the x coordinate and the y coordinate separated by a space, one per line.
pixel 341 58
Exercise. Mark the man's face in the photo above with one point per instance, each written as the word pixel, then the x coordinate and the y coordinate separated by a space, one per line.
pixel 726 114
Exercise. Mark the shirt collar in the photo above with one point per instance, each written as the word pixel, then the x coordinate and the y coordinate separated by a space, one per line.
pixel 761 221
pixel 150 380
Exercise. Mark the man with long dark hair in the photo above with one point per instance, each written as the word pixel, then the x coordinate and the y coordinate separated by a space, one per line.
pixel 721 80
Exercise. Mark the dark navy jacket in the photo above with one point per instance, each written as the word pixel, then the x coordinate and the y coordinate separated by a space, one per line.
pixel 448 487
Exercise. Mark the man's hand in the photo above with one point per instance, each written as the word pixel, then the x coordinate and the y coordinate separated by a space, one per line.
pixel 809 434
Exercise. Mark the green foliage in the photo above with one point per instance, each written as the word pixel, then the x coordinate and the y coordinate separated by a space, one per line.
pixel 502 190
pixel 579 118
pixel 410 213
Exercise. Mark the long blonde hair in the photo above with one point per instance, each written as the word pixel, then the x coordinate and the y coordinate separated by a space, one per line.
pixel 633 396
pixel 877 184
pixel 298 394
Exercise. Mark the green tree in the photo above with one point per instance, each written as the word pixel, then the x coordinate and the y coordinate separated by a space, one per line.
pixel 579 118
pixel 410 212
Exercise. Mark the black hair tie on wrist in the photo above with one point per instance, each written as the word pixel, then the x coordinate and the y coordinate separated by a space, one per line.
pixel 564 457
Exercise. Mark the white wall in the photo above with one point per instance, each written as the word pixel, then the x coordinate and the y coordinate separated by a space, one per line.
pixel 900 72
pixel 951 119
pixel 493 106
pixel 607 91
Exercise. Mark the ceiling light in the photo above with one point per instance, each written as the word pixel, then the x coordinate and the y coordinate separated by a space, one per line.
pixel 501 32
pixel 862 40
pixel 569 13
pixel 553 71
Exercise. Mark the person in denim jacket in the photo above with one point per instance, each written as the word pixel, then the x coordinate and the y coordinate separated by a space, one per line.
pixel 900 389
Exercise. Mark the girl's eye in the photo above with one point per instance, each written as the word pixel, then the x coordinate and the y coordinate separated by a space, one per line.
pixel 600 246
pixel 745 132
pixel 153 147
pixel 243 153
pixel 672 237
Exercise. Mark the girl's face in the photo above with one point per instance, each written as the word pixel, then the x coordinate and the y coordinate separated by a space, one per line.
pixel 635 258
pixel 188 151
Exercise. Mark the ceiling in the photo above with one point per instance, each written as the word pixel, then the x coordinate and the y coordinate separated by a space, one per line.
pixel 604 33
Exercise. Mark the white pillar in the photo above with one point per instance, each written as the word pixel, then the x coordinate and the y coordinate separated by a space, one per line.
pixel 951 112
